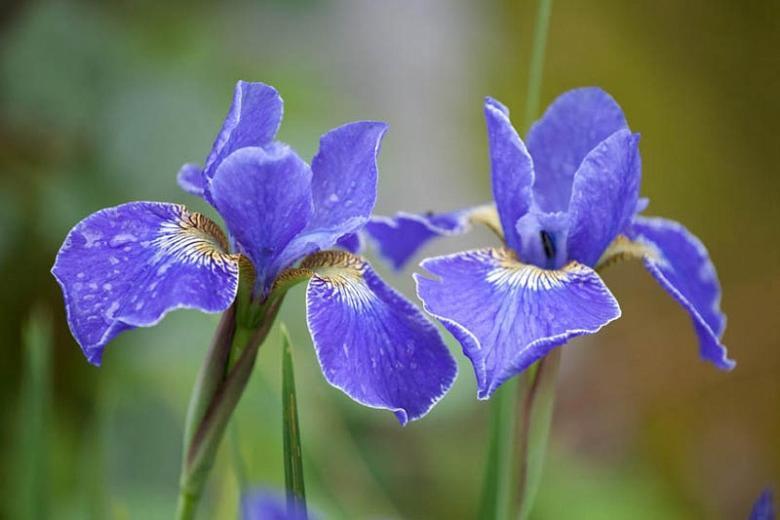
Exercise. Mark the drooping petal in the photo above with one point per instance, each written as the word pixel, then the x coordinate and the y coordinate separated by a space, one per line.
pixel 763 509
pixel 371 342
pixel 264 196
pixel 398 238
pixel 506 314
pixel 344 178
pixel 511 168
pixel 253 120
pixel 127 266
pixel 683 268
pixel 571 127
pixel 190 178
pixel 604 196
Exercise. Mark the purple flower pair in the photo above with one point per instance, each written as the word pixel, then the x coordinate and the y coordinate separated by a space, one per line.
pixel 127 266
pixel 566 203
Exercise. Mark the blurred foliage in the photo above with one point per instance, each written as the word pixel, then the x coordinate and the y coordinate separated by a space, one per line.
pixel 100 103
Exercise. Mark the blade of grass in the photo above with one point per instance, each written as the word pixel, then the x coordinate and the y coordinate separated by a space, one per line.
pixel 293 460
pixel 32 454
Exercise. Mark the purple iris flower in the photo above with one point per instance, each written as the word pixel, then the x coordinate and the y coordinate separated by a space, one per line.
pixel 763 508
pixel 127 266
pixel 566 203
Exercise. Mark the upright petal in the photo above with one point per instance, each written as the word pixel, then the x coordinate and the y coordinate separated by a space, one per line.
pixel 604 196
pixel 506 314
pixel 398 238
pixel 683 268
pixel 127 266
pixel 253 120
pixel 344 177
pixel 571 127
pixel 190 178
pixel 371 342
pixel 512 170
pixel 264 196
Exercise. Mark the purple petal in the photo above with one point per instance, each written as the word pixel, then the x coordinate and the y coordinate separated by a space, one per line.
pixel 512 170
pixel 375 345
pixel 506 314
pixel 261 504
pixel 127 266
pixel 543 238
pixel 351 242
pixel 763 509
pixel 253 120
pixel 604 196
pixel 264 196
pixel 344 177
pixel 571 127
pixel 190 178
pixel 398 238
pixel 684 269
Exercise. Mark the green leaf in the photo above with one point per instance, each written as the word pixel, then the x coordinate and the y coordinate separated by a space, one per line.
pixel 31 469
pixel 293 461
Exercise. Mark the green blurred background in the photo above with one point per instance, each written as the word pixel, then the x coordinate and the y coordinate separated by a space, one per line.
pixel 100 103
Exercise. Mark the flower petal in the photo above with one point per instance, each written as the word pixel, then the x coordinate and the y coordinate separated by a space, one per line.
pixel 543 238
pixel 344 177
pixel 127 266
pixel 264 196
pixel 371 342
pixel 512 170
pixel 604 196
pixel 506 314
pixel 683 268
pixel 253 120
pixel 763 509
pixel 398 238
pixel 190 178
pixel 571 127
pixel 264 504
pixel 351 242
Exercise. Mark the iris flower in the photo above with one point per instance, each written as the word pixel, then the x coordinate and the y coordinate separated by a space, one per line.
pixel 566 204
pixel 127 266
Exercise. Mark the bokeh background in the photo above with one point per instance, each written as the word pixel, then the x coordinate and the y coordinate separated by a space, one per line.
pixel 100 103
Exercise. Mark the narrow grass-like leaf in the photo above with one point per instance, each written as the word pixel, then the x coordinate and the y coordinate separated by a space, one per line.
pixel 31 452
pixel 293 461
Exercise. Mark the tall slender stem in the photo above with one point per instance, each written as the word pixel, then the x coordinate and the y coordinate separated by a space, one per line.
pixel 536 67
pixel 520 419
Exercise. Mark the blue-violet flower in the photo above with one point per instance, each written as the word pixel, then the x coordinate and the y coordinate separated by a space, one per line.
pixel 127 266
pixel 566 203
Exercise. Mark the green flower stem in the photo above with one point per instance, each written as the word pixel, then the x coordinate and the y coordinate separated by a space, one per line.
pixel 223 378
pixel 501 463
pixel 219 387
pixel 533 431
pixel 520 411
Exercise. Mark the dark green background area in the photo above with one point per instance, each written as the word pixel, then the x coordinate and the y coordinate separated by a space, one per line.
pixel 101 102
